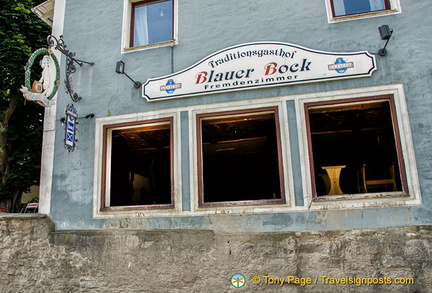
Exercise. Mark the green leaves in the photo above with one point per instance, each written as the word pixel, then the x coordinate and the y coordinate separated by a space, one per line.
pixel 21 33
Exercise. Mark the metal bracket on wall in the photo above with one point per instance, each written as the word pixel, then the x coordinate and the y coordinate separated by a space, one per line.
pixel 60 45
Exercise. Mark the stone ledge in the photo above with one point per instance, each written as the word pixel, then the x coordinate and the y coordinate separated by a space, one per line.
pixel 21 216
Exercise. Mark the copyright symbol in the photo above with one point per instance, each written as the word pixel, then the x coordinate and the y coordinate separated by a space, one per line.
pixel 256 280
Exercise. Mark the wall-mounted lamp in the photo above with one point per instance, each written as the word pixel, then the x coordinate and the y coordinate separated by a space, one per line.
pixel 120 66
pixel 385 33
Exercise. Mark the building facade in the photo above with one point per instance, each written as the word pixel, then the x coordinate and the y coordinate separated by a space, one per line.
pixel 236 116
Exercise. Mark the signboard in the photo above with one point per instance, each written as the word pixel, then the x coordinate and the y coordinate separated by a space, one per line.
pixel 70 127
pixel 258 65
pixel 44 89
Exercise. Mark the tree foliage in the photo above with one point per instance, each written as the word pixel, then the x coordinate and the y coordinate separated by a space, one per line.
pixel 21 33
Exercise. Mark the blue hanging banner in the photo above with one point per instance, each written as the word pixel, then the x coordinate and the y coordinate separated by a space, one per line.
pixel 70 128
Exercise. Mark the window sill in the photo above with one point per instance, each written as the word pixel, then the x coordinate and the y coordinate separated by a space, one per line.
pixel 336 19
pixel 171 43
pixel 370 200
pixel 244 203
pixel 137 208
pixel 361 196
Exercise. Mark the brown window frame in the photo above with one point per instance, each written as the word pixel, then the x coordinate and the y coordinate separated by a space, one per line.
pixel 400 158
pixel 201 203
pixel 105 172
pixel 132 22
pixel 386 3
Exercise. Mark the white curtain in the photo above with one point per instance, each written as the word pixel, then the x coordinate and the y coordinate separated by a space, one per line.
pixel 339 7
pixel 141 36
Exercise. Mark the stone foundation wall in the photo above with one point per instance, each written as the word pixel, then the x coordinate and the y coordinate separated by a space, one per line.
pixel 35 258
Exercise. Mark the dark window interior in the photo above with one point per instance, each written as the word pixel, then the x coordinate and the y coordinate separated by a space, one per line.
pixel 354 135
pixel 240 157
pixel 141 165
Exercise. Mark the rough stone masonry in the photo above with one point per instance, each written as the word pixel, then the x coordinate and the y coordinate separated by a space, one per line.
pixel 36 258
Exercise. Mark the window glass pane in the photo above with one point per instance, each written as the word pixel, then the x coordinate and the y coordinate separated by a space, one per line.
pixel 356 141
pixel 345 7
pixel 339 7
pixel 377 5
pixel 152 23
pixel 141 166
pixel 240 157
pixel 356 6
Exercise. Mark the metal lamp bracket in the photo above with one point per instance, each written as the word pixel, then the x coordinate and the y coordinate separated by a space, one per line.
pixel 385 34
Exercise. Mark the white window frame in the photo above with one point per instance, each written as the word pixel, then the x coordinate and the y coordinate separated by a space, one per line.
pixel 395 8
pixel 356 201
pixel 200 147
pixel 285 149
pixel 124 212
pixel 348 203
pixel 126 30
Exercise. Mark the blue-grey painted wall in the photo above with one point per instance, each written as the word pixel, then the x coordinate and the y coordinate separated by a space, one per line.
pixel 93 30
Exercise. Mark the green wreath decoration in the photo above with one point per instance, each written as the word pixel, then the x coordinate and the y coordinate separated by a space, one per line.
pixel 29 64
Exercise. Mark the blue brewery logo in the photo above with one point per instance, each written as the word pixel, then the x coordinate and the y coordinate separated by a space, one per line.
pixel 341 65
pixel 170 86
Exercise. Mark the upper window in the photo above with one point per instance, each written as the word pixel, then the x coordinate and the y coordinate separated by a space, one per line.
pixel 239 158
pixel 348 9
pixel 138 166
pixel 151 22
pixel 355 148
pixel 148 23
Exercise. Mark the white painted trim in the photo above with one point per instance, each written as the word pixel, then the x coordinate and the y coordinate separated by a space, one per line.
pixel 97 186
pixel 281 102
pixel 285 149
pixel 47 159
pixel 406 145
pixel 395 8
pixel 127 13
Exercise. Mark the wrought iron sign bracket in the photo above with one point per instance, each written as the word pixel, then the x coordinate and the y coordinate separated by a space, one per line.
pixel 60 45
pixel 63 119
